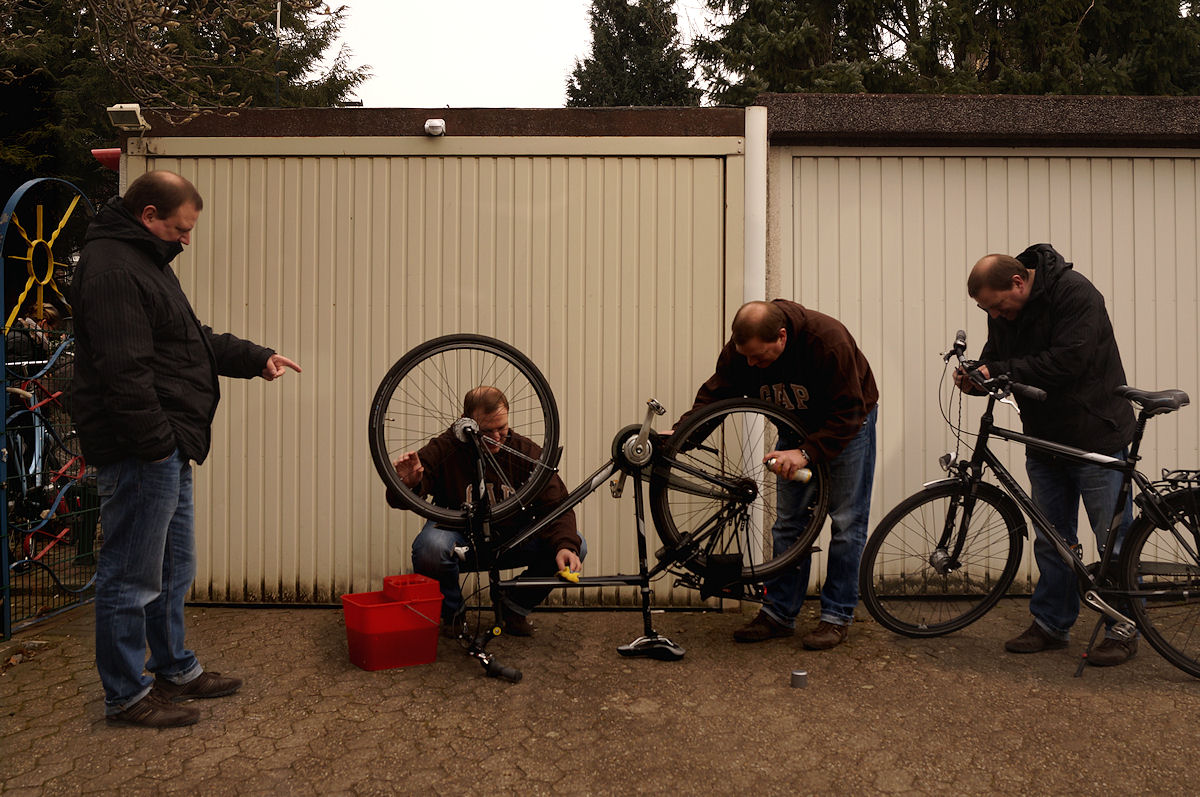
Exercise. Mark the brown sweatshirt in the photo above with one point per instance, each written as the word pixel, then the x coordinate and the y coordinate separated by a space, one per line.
pixel 450 475
pixel 822 376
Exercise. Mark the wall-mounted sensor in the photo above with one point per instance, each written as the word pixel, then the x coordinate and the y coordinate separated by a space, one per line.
pixel 435 127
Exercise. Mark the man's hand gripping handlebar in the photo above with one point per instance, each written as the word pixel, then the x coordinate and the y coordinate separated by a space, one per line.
pixel 970 377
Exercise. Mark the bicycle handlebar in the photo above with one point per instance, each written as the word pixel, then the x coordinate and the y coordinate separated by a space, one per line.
pixel 497 670
pixel 998 386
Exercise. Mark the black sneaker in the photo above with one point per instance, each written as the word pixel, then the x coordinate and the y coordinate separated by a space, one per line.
pixel 208 684
pixel 1034 640
pixel 762 628
pixel 154 711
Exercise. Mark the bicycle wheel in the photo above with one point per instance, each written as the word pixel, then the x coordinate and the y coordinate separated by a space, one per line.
pixel 937 562
pixel 710 490
pixel 422 396
pixel 1161 568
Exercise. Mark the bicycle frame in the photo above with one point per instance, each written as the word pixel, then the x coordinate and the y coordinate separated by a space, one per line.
pixel 634 452
pixel 1093 583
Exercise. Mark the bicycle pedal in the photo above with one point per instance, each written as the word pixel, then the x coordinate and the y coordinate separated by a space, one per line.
pixel 1123 631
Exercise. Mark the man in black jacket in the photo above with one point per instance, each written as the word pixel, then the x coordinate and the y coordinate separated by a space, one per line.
pixel 1048 328
pixel 143 398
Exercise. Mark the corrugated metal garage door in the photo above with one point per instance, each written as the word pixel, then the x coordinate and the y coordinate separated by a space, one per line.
pixel 610 269
pixel 883 240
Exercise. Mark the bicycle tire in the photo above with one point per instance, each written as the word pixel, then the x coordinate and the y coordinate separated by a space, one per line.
pixel 421 397
pixel 1160 567
pixel 912 590
pixel 710 478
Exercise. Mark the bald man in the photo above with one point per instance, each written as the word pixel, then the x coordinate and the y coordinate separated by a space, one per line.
pixel 808 363
pixel 1048 328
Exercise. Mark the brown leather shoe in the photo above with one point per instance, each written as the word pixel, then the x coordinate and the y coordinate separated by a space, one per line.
pixel 825 636
pixel 154 711
pixel 208 684
pixel 762 628
pixel 517 624
pixel 1034 640
pixel 1112 652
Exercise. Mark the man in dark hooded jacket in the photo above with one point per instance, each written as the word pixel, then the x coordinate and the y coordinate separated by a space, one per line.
pixel 143 399
pixel 1048 328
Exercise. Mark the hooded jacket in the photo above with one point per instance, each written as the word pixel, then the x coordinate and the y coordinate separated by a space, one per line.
pixel 822 376
pixel 1062 342
pixel 146 369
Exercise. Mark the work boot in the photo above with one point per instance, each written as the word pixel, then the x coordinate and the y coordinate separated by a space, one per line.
pixel 1034 640
pixel 517 624
pixel 762 628
pixel 1112 652
pixel 825 636
pixel 155 711
pixel 208 684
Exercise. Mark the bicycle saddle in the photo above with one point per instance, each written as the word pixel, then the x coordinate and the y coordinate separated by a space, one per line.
pixel 1154 402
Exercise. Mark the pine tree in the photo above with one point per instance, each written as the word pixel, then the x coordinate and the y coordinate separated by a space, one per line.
pixel 949 46
pixel 65 61
pixel 636 58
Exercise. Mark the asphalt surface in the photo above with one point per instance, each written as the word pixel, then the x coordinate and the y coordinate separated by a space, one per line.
pixel 880 714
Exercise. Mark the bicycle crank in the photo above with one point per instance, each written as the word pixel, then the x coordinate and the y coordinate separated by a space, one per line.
pixel 1123 628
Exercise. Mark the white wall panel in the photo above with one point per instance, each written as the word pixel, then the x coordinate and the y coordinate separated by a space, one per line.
pixel 884 240
pixel 608 271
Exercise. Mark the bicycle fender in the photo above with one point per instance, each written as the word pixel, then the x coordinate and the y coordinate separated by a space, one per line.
pixel 986 489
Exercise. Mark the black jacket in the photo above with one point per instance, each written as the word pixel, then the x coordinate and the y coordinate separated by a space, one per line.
pixel 1062 341
pixel 145 368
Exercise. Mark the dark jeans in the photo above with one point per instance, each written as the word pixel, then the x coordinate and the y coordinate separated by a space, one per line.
pixel 1057 489
pixel 851 475
pixel 146 567
pixel 433 556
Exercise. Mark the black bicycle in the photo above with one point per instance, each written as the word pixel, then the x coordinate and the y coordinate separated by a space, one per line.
pixel 712 499
pixel 946 554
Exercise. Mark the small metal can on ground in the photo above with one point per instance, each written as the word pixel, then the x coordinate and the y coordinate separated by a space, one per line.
pixel 799 678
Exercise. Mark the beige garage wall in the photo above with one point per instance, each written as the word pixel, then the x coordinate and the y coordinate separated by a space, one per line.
pixel 612 264
pixel 883 240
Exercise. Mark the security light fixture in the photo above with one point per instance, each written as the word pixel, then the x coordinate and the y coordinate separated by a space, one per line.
pixel 127 116
pixel 435 127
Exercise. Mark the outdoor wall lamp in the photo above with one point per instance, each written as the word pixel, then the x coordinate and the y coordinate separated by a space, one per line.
pixel 435 127
pixel 127 116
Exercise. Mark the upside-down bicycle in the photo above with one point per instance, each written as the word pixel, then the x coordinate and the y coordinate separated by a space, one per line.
pixel 945 555
pixel 711 497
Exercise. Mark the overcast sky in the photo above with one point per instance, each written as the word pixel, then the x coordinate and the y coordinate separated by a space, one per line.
pixel 470 53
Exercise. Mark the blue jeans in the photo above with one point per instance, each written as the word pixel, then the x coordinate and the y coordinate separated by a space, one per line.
pixel 433 556
pixel 851 475
pixel 146 567
pixel 1057 488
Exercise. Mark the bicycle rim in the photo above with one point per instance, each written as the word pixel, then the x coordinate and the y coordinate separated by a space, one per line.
pixel 710 490
pixel 913 584
pixel 421 397
pixel 1161 566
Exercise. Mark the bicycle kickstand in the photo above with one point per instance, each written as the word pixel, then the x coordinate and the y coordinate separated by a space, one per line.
pixel 1083 657
pixel 651 644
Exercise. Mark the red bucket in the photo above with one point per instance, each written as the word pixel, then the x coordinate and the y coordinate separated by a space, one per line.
pixel 383 634
pixel 410 587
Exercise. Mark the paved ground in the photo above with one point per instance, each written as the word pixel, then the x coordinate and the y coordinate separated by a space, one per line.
pixel 880 715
